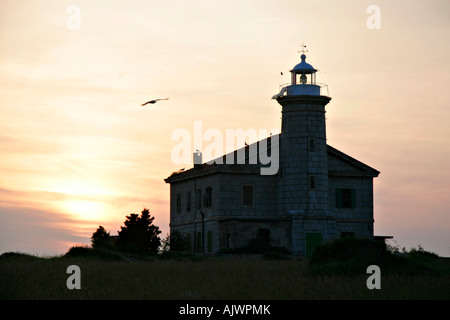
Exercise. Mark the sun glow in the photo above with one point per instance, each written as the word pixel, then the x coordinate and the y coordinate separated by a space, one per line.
pixel 88 210
pixel 82 199
pixel 79 188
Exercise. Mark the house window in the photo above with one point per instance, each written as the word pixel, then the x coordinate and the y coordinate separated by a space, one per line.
pixel 346 198
pixel 312 182
pixel 247 196
pixel 311 145
pixel 188 201
pixel 207 197
pixel 199 242
pixel 209 241
pixel 178 202
pixel 229 244
pixel 189 241
pixel 264 238
pixel 198 198
pixel 347 234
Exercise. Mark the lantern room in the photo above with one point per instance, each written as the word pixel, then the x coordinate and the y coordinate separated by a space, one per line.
pixel 303 73
pixel 303 79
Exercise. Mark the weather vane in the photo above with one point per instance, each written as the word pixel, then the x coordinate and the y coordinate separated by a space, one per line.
pixel 303 50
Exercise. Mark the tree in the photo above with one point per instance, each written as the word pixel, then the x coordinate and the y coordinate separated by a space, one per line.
pixel 101 239
pixel 175 242
pixel 139 235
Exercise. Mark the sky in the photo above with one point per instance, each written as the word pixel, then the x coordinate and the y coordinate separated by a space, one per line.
pixel 78 151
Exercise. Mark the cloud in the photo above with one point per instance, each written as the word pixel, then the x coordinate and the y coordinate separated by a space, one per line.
pixel 30 223
pixel 35 230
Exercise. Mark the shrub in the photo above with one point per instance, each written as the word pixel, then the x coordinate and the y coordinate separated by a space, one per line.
pixel 347 256
pixel 277 255
pixel 249 249
pixel 18 256
pixel 350 256
pixel 86 252
pixel 175 242
pixel 348 248
pixel 101 239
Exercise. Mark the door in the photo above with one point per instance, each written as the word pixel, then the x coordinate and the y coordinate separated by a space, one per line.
pixel 313 240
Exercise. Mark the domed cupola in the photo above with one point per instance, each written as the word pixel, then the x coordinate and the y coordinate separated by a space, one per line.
pixel 303 79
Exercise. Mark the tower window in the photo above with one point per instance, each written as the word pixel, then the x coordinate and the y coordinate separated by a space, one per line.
pixel 312 182
pixel 312 145
pixel 247 196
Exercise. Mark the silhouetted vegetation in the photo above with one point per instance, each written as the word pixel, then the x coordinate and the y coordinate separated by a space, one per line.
pixel 101 239
pixel 175 242
pixel 139 235
pixel 251 249
pixel 250 278
pixel 92 253
pixel 19 256
pixel 176 246
pixel 352 256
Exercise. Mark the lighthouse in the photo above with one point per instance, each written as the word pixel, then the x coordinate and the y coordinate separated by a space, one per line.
pixel 303 183
pixel 318 194
pixel 303 191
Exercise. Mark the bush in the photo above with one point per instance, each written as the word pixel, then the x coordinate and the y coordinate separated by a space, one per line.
pixel 348 248
pixel 351 256
pixel 277 255
pixel 347 256
pixel 249 249
pixel 86 252
pixel 175 242
pixel 18 256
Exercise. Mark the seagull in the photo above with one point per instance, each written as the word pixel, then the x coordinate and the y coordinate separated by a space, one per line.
pixel 153 101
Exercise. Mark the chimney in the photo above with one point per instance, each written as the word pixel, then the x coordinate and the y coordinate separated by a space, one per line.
pixel 197 159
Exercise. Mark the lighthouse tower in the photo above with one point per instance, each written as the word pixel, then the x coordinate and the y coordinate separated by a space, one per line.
pixel 303 181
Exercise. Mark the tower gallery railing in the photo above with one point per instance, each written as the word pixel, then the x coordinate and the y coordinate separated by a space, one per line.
pixel 323 88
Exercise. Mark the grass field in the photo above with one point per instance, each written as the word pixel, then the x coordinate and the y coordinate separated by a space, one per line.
pixel 27 277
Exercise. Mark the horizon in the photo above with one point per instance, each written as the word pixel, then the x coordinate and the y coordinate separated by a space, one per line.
pixel 79 150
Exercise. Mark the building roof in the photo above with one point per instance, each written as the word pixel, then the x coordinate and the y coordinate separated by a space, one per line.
pixel 304 66
pixel 363 169
pixel 354 167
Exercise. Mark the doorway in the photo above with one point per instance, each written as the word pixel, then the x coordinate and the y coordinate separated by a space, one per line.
pixel 313 240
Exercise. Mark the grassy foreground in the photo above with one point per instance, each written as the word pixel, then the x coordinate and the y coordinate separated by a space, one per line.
pixel 28 277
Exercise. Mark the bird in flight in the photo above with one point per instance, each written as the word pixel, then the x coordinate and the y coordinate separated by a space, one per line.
pixel 153 101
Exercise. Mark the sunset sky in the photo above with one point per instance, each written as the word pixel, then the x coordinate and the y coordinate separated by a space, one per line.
pixel 78 151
